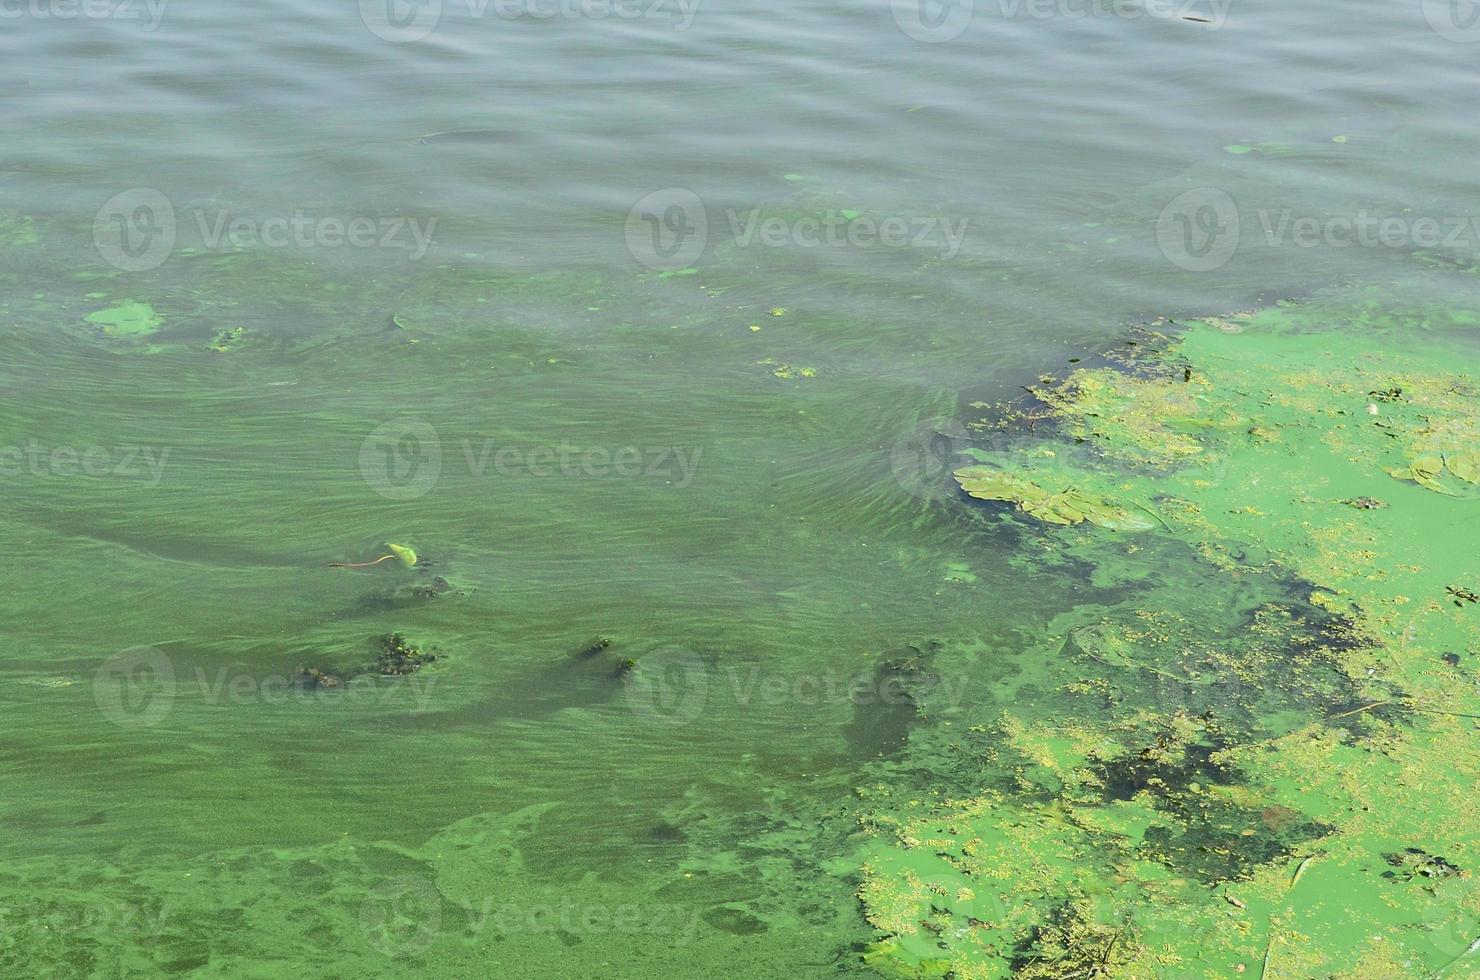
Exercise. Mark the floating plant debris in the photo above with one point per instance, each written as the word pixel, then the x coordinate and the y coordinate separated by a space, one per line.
pixel 395 656
pixel 313 678
pixel 401 554
pixel 131 318
pixel 1415 862
pixel 591 648
pixel 431 590
pixel 399 656
pixel 1067 505
pixel 407 593
pixel 228 339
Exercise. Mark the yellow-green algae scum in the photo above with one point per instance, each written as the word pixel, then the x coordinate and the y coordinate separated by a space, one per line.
pixel 1263 762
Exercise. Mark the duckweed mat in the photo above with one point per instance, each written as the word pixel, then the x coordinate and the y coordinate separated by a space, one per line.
pixel 1260 760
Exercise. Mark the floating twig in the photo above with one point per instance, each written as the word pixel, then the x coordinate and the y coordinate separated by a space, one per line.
pixel 361 564
pixel 1300 870
pixel 1405 707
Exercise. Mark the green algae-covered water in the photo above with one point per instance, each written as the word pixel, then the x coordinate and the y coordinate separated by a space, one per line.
pixel 739 490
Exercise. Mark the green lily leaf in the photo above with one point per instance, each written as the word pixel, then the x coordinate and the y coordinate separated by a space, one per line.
pixel 405 555
pixel 1452 474
pixel 1117 518
pixel 1466 466
pixel 1058 508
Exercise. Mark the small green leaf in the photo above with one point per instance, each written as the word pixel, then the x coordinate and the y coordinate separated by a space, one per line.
pixel 406 556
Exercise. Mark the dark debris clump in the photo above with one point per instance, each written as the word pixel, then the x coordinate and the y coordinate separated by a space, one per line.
pixel 398 656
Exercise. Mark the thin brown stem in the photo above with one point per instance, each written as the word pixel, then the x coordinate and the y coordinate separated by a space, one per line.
pixel 362 564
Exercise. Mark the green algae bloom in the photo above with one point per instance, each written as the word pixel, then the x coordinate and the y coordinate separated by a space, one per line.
pixel 131 318
pixel 1067 505
pixel 1286 790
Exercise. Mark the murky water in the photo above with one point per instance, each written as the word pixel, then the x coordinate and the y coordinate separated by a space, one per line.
pixel 655 322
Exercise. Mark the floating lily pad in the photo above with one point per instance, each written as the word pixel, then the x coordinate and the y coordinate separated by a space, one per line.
pixel 130 318
pixel 406 556
pixel 1452 474
pixel 1466 466
pixel 1065 506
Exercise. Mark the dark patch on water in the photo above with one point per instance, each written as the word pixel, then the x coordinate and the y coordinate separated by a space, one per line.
pixel 885 709
pixel 665 833
pixel 1225 842
pixel 735 921
pixel 1164 766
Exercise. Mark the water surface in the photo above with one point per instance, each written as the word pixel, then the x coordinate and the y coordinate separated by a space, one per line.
pixel 594 355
